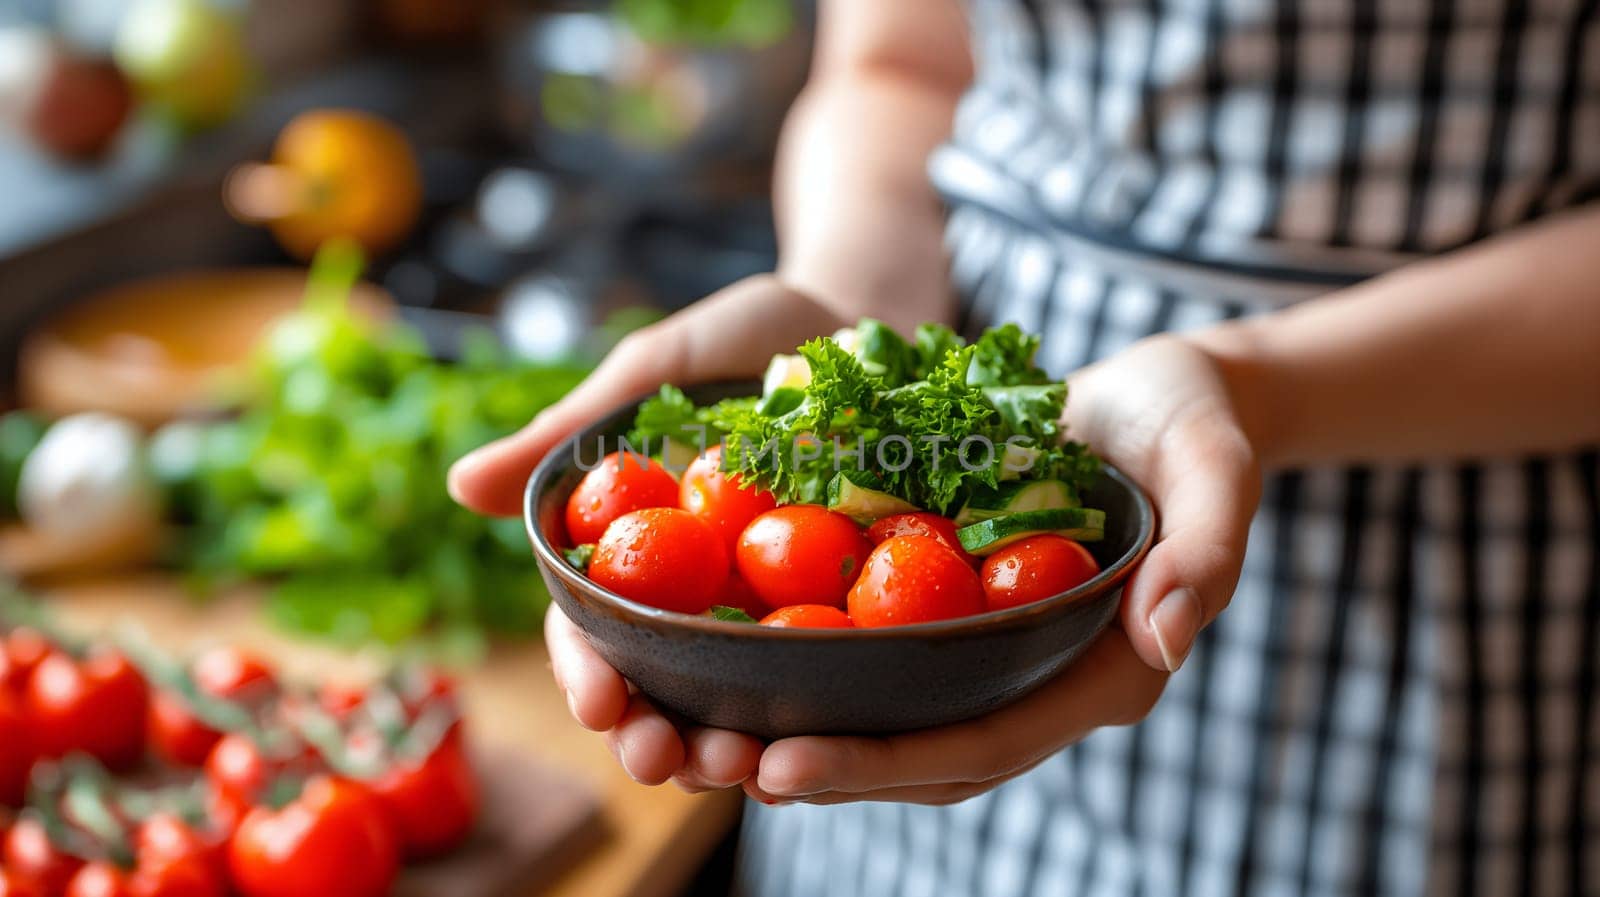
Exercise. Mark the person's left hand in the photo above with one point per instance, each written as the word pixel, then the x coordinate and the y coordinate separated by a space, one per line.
pixel 1162 413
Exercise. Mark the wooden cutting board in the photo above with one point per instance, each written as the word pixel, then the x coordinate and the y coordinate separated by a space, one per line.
pixel 641 842
pixel 536 823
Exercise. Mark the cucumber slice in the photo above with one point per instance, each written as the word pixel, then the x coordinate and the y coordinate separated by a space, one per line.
pixel 1013 497
pixel 988 536
pixel 785 370
pixel 1018 460
pixel 861 503
pixel 677 456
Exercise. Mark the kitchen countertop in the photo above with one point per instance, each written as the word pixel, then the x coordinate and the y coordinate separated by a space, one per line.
pixel 657 837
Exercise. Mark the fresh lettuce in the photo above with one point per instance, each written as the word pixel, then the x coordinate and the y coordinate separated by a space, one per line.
pixel 928 420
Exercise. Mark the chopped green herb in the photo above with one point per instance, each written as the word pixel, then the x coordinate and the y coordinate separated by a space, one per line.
pixel 579 557
pixel 730 614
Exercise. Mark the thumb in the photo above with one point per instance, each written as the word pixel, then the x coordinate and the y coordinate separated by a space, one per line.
pixel 489 480
pixel 1206 488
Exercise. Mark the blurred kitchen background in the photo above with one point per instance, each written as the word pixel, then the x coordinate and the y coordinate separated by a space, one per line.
pixel 513 183
pixel 574 156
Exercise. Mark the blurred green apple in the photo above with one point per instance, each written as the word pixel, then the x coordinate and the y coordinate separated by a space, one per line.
pixel 187 58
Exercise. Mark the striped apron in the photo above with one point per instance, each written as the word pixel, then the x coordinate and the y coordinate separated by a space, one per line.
pixel 1401 699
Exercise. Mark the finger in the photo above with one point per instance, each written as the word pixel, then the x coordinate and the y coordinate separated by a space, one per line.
pixel 596 694
pixel 646 743
pixel 1207 486
pixel 1108 685
pixel 717 758
pixel 929 795
pixel 489 480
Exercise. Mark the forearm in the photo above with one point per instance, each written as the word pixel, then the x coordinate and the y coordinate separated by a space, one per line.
pixel 859 225
pixel 1491 350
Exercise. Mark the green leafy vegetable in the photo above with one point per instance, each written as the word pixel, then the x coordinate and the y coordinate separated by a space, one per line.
pixel 932 421
pixel 329 482
pixel 731 614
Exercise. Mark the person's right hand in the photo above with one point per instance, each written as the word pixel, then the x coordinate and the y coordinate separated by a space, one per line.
pixel 730 334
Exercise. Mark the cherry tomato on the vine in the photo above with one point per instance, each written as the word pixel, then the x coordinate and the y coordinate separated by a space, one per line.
pixel 16 751
pixel 14 885
pixel 238 773
pixel 624 482
pixel 154 876
pixel 23 650
pixel 227 673
pixel 433 802
pixel 28 854
pixel 332 839
pixel 808 616
pixel 1034 569
pixel 663 557
pixel 96 705
pixel 340 699
pixel 914 579
pixel 165 835
pixel 717 497
pixel 919 523
pixel 801 554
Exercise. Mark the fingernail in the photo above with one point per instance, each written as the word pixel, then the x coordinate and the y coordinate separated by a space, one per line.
pixel 572 704
pixel 775 784
pixel 1176 622
pixel 622 757
pixel 461 468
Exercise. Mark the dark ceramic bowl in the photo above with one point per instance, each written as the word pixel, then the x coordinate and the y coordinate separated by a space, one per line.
pixel 780 682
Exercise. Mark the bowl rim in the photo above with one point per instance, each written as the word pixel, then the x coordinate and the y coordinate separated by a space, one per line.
pixel 551 468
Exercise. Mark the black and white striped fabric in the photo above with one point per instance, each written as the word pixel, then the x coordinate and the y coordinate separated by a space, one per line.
pixel 1401 699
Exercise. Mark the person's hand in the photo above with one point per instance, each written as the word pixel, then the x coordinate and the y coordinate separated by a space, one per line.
pixel 732 333
pixel 1162 413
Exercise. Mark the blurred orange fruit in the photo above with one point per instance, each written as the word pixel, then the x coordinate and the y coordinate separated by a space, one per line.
pixel 334 173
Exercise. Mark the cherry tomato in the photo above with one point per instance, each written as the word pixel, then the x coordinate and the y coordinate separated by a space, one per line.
pixel 663 557
pixel 716 497
pixel 154 876
pixel 97 705
pixel 624 482
pixel 165 835
pixel 737 593
pixel 433 802
pixel 16 752
pixel 99 879
pixel 1035 568
pixel 422 687
pixel 802 554
pixel 807 616
pixel 14 885
pixel 920 523
pixel 340 699
pixel 30 856
pixel 914 579
pixel 332 839
pixel 24 650
pixel 238 773
pixel 226 673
